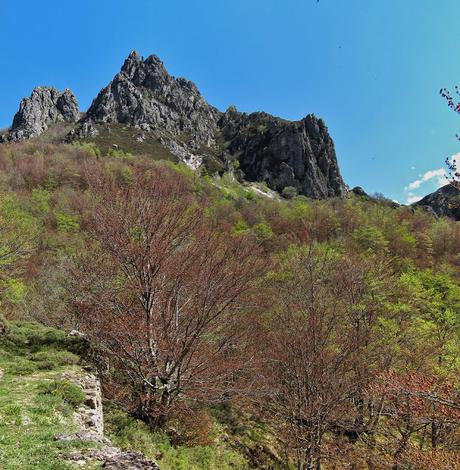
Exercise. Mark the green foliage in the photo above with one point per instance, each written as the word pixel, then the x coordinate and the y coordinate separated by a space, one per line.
pixel 89 148
pixel 240 228
pixel 40 202
pixel 117 153
pixel 27 338
pixel 14 290
pixel 262 232
pixel 370 238
pixel 66 223
pixel 66 391
pixel 33 406
pixel 44 189
pixel 289 192
pixel 129 433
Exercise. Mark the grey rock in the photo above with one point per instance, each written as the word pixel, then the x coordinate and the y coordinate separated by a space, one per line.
pixel 171 111
pixel 443 202
pixel 143 94
pixel 90 419
pixel 89 416
pixel 77 334
pixel 282 153
pixel 85 436
pixel 44 107
pixel 359 191
pixel 112 458
pixel 129 461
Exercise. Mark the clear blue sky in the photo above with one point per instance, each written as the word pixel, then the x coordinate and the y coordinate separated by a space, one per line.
pixel 371 68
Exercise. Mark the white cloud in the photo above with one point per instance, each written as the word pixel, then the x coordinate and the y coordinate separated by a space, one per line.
pixel 411 198
pixel 455 157
pixel 440 174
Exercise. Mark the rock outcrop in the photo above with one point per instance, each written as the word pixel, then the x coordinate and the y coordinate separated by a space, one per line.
pixel 44 107
pixel 359 191
pixel 89 418
pixel 284 153
pixel 443 202
pixel 144 95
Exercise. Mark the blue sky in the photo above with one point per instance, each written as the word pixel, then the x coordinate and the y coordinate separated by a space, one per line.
pixel 371 68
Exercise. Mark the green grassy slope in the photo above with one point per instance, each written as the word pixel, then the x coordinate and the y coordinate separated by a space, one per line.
pixel 32 409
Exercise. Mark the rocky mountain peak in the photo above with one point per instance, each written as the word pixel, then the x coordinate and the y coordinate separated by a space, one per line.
pixel 44 107
pixel 142 72
pixel 144 95
pixel 146 109
pixel 282 153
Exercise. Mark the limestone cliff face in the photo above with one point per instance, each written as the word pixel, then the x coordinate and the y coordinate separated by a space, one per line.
pixel 279 152
pixel 284 153
pixel 44 107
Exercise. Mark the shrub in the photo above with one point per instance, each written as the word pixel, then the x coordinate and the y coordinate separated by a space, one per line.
pixel 263 232
pixel 51 358
pixel 129 433
pixel 289 192
pixel 68 392
pixel 3 326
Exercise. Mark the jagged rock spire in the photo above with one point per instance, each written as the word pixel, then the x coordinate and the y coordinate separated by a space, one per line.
pixel 44 107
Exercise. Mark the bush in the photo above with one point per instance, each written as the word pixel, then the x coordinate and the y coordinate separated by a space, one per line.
pixel 51 359
pixel 289 192
pixel 30 337
pixel 3 326
pixel 263 232
pixel 68 392
pixel 129 433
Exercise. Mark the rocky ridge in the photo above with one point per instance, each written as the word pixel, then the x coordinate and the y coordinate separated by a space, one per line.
pixel 281 153
pixel 171 114
pixel 90 420
pixel 145 96
pixel 443 202
pixel 45 106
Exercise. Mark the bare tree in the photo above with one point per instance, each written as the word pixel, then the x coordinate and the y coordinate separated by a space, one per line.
pixel 414 403
pixel 162 294
pixel 452 165
pixel 310 354
pixel 324 351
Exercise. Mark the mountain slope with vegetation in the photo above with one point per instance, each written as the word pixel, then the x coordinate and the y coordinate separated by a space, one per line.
pixel 232 328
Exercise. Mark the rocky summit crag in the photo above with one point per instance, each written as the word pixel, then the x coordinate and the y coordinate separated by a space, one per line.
pixel 45 106
pixel 145 96
pixel 282 153
pixel 154 111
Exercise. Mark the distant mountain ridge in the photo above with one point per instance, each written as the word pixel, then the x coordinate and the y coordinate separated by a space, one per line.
pixel 443 202
pixel 149 105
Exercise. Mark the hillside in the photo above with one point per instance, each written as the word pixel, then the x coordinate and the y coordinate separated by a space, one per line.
pixel 47 394
pixel 241 280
